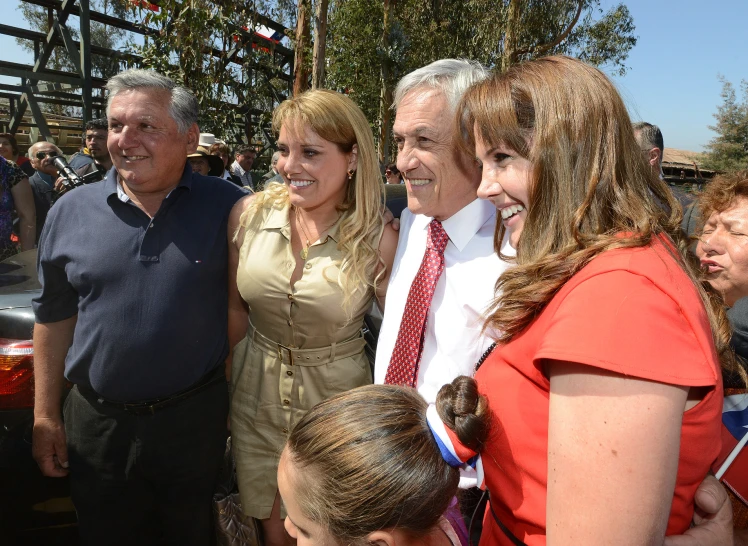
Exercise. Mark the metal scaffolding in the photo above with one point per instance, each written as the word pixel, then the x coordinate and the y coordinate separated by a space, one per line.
pixel 77 88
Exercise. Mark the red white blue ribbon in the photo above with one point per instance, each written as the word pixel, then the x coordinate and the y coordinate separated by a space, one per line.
pixel 453 451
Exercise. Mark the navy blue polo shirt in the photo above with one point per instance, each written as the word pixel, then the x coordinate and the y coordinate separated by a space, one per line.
pixel 151 295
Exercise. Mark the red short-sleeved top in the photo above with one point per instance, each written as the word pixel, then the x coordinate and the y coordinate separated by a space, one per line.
pixel 629 311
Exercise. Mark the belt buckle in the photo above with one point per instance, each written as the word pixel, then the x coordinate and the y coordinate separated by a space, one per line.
pixel 280 353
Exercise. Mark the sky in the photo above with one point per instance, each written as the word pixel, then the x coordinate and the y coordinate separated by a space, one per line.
pixel 683 46
pixel 672 78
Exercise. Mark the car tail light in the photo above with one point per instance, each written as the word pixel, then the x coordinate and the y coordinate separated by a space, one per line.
pixel 16 374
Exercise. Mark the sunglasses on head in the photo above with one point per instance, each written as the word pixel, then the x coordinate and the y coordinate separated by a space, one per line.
pixel 42 155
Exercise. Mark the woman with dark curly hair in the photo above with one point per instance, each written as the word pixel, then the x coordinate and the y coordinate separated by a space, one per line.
pixel 15 195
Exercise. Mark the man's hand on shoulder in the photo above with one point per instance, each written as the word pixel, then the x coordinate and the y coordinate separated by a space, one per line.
pixel 712 519
pixel 49 446
pixel 389 219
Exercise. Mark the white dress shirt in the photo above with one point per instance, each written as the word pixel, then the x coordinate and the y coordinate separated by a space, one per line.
pixel 452 342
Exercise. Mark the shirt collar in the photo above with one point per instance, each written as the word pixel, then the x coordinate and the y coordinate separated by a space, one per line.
pixel 237 169
pixel 462 226
pixel 280 219
pixel 46 178
pixel 113 187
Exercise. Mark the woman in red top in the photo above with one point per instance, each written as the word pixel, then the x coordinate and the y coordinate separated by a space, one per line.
pixel 604 390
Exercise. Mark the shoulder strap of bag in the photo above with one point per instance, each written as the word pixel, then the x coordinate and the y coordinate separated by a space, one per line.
pixel 507 532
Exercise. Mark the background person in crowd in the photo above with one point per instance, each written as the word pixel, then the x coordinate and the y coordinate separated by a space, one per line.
pixel 222 150
pixel 363 468
pixel 10 151
pixel 244 158
pixel 15 193
pixel 308 259
pixel 392 174
pixel 588 230
pixel 202 162
pixel 651 143
pixel 42 182
pixel 134 292
pixel 82 157
pixel 96 138
pixel 722 246
pixel 723 252
pixel 272 175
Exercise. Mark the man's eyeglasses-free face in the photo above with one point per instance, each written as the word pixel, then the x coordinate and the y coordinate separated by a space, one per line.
pixel 42 155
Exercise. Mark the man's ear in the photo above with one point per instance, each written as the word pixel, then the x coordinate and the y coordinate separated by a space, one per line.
pixel 654 157
pixel 353 158
pixel 193 138
pixel 382 538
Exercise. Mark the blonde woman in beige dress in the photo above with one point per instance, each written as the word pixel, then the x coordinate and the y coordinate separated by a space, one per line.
pixel 307 258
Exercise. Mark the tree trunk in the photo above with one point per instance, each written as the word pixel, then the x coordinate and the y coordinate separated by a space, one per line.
pixel 385 94
pixel 320 41
pixel 511 34
pixel 301 66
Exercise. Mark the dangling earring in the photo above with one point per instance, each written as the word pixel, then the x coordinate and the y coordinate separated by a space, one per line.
pixel 350 175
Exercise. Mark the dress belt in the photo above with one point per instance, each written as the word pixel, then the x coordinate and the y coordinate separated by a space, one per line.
pixel 306 357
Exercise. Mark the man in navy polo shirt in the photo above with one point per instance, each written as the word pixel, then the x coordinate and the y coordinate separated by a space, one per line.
pixel 133 311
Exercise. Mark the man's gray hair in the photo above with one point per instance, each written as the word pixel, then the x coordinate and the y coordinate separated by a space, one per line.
pixel 649 136
pixel 184 108
pixel 274 160
pixel 36 145
pixel 451 76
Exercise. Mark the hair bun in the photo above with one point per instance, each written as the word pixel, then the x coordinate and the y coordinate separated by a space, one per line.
pixel 462 408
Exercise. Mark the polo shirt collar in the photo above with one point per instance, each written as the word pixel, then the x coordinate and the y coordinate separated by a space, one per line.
pixel 113 187
pixel 462 226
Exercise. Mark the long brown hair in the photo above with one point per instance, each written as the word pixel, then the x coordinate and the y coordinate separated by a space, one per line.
pixel 591 189
pixel 366 460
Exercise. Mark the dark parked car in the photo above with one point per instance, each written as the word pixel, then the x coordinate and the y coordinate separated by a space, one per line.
pixel 34 510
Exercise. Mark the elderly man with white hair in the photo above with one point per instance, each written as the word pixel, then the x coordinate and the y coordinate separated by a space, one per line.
pixel 441 181
pixel 42 156
pixel 134 312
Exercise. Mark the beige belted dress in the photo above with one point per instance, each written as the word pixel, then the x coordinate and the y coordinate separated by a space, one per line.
pixel 301 348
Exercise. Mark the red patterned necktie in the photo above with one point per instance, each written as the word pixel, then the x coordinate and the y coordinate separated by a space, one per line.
pixel 403 368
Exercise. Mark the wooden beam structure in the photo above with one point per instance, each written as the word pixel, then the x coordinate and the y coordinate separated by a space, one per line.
pixel 77 88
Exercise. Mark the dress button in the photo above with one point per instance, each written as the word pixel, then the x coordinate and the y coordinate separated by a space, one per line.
pixel 290 297
pixel 284 430
pixel 286 401
pixel 308 266
pixel 289 373
pixel 290 322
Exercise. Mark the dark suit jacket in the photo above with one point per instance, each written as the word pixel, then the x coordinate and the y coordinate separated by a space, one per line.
pixel 43 196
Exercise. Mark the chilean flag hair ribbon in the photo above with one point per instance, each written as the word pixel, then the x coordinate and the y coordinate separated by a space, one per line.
pixel 453 451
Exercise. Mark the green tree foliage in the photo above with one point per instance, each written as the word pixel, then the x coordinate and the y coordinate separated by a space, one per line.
pixel 101 35
pixel 102 66
pixel 200 44
pixel 496 33
pixel 728 151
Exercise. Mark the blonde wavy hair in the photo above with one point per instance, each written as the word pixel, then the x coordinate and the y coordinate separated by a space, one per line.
pixel 591 189
pixel 337 119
